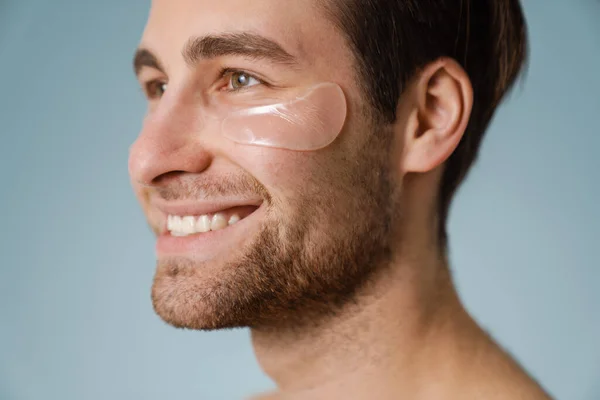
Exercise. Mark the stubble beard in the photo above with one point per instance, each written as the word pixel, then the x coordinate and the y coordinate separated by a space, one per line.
pixel 300 268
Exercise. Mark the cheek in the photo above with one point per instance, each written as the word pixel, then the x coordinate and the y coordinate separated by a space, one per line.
pixel 302 182
pixel 280 171
pixel 328 174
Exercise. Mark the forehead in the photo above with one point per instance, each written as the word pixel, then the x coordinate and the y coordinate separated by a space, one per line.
pixel 301 27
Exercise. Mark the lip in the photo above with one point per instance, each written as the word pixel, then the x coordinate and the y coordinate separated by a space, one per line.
pixel 209 245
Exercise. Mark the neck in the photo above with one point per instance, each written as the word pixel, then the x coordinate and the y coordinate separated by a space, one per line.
pixel 404 325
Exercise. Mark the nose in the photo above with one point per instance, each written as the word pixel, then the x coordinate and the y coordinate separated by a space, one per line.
pixel 168 143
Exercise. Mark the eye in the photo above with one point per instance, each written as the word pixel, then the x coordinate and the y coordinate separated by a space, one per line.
pixel 240 80
pixel 155 89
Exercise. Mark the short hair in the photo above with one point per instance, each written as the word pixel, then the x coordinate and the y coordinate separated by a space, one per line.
pixel 393 39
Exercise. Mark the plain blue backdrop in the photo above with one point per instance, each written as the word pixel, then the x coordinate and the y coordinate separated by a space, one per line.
pixel 76 320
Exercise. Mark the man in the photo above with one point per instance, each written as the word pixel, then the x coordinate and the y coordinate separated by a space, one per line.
pixel 297 164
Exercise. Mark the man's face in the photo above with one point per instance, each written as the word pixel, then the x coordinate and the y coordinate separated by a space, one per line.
pixel 314 224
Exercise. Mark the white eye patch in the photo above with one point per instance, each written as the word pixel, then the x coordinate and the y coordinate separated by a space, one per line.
pixel 301 120
pixel 307 122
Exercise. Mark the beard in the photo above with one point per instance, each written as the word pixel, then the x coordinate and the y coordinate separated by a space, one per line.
pixel 311 256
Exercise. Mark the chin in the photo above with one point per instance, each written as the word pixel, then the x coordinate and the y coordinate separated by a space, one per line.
pixel 191 294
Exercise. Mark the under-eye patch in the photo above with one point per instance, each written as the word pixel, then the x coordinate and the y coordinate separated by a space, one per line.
pixel 302 119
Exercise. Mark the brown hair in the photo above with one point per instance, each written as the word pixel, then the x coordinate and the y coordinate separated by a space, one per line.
pixel 393 39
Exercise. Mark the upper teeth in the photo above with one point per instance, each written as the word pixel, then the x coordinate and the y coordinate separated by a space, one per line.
pixel 189 225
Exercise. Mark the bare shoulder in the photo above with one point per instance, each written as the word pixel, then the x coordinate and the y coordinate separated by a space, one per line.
pixel 502 378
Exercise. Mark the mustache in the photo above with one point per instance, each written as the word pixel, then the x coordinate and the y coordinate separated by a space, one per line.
pixel 206 188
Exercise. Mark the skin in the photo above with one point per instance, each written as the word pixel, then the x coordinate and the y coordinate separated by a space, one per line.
pixel 339 273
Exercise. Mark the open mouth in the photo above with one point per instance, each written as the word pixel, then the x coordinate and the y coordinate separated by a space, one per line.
pixel 187 225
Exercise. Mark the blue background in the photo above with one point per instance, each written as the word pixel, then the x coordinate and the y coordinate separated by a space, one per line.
pixel 77 259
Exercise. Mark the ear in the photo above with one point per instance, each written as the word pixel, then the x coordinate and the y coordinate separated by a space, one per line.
pixel 441 107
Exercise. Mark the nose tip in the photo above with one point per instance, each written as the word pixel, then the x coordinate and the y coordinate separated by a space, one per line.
pixel 166 145
pixel 142 163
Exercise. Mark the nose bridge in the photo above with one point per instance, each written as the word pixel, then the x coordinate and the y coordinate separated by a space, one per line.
pixel 168 141
pixel 175 118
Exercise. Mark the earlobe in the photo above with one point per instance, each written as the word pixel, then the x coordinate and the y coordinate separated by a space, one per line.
pixel 443 102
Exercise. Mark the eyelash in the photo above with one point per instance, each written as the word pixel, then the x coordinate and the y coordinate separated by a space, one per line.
pixel 152 86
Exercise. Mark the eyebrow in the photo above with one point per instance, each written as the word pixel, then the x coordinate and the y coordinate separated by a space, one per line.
pixel 244 44
pixel 145 58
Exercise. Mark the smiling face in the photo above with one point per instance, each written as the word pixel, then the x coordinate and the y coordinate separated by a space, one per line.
pixel 251 235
